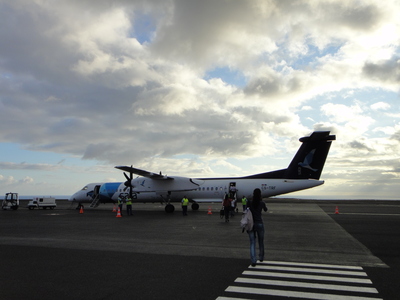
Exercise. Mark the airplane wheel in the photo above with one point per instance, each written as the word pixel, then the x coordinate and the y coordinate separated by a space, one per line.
pixel 169 208
pixel 195 206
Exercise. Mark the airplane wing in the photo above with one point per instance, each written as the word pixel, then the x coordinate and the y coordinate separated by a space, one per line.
pixel 144 173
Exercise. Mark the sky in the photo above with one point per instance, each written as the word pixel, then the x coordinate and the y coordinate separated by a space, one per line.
pixel 207 88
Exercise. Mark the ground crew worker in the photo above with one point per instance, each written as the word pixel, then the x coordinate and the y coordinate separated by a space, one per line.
pixel 244 203
pixel 120 203
pixel 185 202
pixel 129 206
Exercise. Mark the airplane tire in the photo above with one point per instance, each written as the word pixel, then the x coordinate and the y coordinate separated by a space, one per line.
pixel 195 206
pixel 169 208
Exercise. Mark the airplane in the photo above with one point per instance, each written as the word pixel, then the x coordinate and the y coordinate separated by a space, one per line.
pixel 303 172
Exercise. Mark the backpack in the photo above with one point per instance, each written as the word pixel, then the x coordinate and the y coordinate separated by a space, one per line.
pixel 246 223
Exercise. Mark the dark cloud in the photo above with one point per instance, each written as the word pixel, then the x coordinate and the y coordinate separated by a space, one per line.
pixel 384 70
pixel 28 166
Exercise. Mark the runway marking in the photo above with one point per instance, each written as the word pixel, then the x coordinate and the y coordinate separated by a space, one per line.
pixel 282 263
pixel 309 277
pixel 306 270
pixel 365 214
pixel 307 285
pixel 287 279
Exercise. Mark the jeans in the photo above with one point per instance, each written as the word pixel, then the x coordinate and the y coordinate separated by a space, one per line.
pixel 226 212
pixel 258 229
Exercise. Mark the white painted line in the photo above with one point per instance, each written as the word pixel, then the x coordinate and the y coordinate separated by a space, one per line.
pixel 312 277
pixel 366 214
pixel 231 298
pixel 310 265
pixel 268 292
pixel 308 285
pixel 310 270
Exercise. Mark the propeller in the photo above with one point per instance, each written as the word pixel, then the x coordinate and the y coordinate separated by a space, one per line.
pixel 128 183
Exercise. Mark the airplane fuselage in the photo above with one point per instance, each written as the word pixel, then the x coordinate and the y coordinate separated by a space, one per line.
pixel 207 190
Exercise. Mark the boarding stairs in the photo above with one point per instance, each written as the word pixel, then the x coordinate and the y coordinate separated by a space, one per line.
pixel 95 202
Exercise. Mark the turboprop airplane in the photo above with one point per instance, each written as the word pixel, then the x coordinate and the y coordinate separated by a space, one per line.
pixel 303 172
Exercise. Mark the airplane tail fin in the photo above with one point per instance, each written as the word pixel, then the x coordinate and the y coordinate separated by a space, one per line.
pixel 310 158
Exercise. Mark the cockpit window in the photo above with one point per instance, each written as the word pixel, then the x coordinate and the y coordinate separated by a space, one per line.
pixel 85 188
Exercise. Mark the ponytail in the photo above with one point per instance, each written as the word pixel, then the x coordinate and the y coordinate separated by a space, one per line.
pixel 256 197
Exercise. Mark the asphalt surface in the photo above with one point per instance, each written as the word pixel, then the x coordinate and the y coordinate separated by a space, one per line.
pixel 62 254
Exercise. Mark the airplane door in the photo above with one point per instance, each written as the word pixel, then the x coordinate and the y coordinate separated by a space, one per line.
pixel 232 190
pixel 96 191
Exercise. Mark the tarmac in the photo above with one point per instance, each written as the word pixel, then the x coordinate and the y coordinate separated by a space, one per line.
pixel 65 254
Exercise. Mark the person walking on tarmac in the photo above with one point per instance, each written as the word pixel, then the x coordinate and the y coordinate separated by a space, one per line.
pixel 233 206
pixel 244 203
pixel 129 206
pixel 120 204
pixel 185 202
pixel 256 206
pixel 226 204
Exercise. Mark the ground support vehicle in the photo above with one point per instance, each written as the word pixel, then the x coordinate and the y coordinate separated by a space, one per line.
pixel 10 202
pixel 44 203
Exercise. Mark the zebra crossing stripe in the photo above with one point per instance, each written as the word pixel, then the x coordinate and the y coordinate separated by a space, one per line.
pixel 268 279
pixel 311 277
pixel 283 263
pixel 282 293
pixel 311 270
pixel 334 287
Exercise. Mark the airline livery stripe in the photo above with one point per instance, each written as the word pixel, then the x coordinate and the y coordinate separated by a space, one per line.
pixel 310 277
pixel 310 270
pixel 283 263
pixel 307 285
pixel 269 292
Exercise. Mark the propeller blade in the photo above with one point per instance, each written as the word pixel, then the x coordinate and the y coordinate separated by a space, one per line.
pixel 126 176
pixel 128 183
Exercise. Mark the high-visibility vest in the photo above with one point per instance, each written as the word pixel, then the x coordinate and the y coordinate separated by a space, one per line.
pixel 119 201
pixel 129 201
pixel 244 201
pixel 185 201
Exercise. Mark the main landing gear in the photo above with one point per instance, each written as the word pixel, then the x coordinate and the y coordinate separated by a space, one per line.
pixel 169 208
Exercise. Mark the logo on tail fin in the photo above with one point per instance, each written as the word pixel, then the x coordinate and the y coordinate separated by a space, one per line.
pixel 308 161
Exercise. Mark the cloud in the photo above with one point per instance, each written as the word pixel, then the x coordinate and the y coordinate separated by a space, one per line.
pixel 9 180
pixel 380 106
pixel 121 82
pixel 384 70
pixel 27 166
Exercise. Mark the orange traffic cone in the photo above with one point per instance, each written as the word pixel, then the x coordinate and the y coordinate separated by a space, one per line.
pixel 81 210
pixel 209 211
pixel 337 210
pixel 119 213
pixel 114 209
